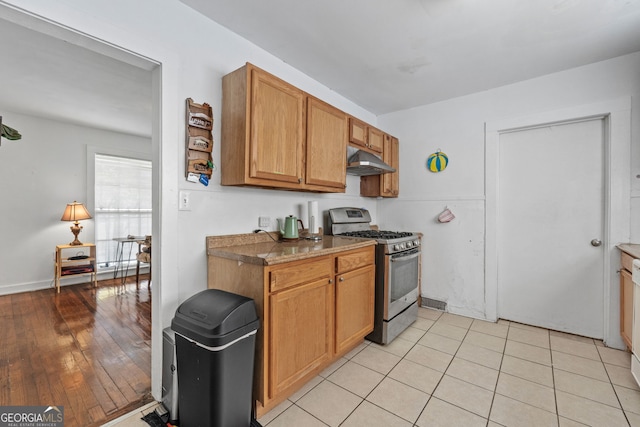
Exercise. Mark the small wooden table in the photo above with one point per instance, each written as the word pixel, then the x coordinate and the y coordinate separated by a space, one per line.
pixel 74 260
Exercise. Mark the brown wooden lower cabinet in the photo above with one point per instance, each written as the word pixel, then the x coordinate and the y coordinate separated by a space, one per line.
pixel 312 312
pixel 626 299
pixel 354 307
pixel 300 332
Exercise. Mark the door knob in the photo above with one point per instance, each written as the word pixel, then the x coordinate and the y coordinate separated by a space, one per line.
pixel 596 242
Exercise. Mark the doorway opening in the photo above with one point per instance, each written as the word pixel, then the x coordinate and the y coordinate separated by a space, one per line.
pixel 72 39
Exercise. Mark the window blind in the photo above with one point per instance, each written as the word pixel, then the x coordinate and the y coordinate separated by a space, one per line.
pixel 122 205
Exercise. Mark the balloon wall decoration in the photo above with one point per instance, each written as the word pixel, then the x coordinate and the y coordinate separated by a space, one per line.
pixel 437 162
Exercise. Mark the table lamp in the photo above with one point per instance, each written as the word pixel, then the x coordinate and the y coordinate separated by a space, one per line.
pixel 75 212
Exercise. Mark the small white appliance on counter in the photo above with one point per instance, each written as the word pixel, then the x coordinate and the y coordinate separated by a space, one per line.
pixel 314 221
pixel 635 357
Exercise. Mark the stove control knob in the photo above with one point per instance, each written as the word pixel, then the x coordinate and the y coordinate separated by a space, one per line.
pixel 402 246
pixel 416 243
pixel 396 247
pixel 409 244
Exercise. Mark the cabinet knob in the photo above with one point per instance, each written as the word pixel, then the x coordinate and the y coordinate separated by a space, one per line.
pixel 342 279
pixel 330 281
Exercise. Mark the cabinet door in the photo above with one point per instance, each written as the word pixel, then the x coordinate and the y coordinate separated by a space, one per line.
pixel 326 145
pixel 375 139
pixel 276 141
pixel 354 306
pixel 357 132
pixel 626 306
pixel 390 184
pixel 301 333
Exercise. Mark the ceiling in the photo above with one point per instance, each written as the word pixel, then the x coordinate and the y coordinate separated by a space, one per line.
pixel 390 55
pixel 383 55
pixel 57 74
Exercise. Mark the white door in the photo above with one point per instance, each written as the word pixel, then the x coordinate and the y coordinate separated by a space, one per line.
pixel 550 223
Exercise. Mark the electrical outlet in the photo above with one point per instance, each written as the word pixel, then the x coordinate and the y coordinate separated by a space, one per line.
pixel 264 221
pixel 185 202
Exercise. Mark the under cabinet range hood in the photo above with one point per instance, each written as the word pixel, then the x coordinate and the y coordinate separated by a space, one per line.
pixel 363 163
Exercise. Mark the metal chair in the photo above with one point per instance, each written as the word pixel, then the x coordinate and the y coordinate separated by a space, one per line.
pixel 144 255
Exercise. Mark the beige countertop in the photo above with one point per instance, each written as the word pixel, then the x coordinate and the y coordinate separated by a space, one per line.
pixel 632 249
pixel 260 248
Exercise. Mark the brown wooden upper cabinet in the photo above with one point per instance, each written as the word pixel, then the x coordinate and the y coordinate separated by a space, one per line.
pixel 385 185
pixel 364 136
pixel 357 132
pixel 264 142
pixel 326 145
pixel 375 138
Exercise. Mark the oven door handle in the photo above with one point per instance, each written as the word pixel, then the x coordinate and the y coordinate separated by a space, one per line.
pixel 407 257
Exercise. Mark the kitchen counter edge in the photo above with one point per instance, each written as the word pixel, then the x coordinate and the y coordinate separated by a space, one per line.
pixel 632 249
pixel 249 248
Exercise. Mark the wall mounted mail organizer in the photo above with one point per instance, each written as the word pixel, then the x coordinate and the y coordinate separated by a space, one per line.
pixel 199 142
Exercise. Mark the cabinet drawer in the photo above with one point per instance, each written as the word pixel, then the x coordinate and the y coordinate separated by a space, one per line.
pixel 352 260
pixel 626 261
pixel 299 273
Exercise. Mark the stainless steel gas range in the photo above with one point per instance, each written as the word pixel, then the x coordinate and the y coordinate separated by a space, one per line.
pixel 397 271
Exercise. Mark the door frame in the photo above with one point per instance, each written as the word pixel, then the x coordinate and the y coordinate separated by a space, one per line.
pixel 616 114
pixel 166 75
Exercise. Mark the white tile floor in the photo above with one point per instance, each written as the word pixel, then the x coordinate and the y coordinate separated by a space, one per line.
pixel 448 370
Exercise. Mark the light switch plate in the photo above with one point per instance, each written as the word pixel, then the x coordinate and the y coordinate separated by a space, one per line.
pixel 185 201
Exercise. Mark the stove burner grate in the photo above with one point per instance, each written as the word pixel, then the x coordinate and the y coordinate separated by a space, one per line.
pixel 377 234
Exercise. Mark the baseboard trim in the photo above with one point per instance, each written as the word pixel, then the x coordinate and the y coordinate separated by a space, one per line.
pixel 434 303
pixel 48 284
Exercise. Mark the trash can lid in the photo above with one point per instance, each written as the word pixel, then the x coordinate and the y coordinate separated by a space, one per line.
pixel 214 317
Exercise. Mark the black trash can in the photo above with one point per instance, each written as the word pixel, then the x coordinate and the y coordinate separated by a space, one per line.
pixel 169 374
pixel 215 334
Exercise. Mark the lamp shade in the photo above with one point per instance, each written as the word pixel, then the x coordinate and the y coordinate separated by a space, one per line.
pixel 75 212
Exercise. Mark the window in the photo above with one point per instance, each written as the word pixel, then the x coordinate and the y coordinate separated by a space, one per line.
pixel 122 204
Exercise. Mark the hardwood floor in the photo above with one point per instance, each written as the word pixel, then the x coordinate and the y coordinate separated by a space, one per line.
pixel 87 349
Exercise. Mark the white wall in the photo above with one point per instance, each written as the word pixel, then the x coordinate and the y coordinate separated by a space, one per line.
pixel 453 257
pixel 40 174
pixel 215 209
pixel 194 54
